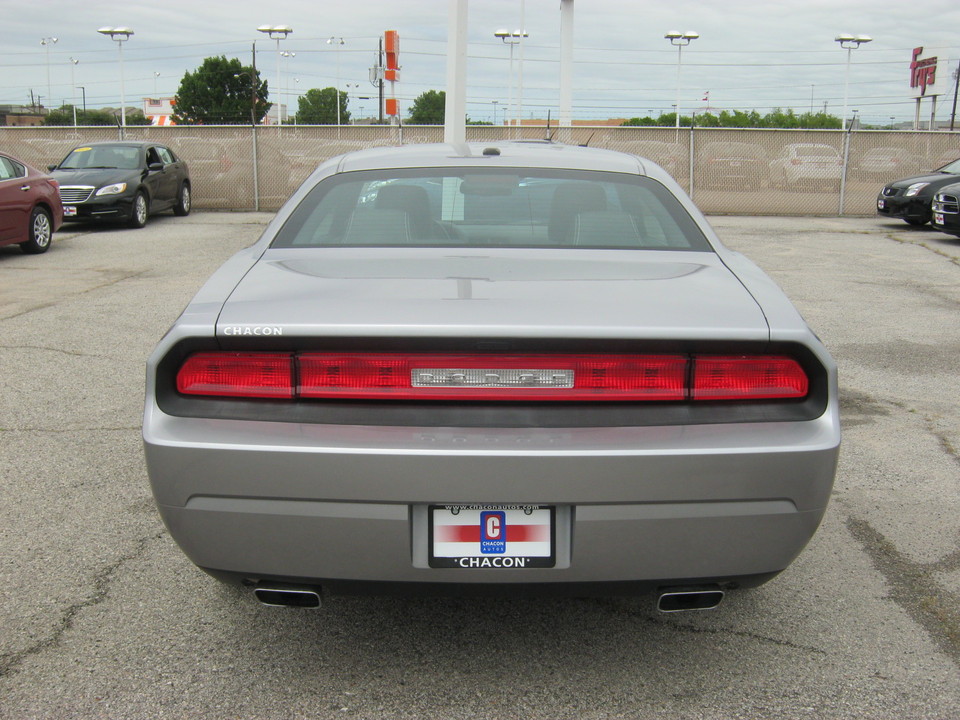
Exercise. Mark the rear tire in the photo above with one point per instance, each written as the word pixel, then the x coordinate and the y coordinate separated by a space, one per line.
pixel 40 232
pixel 184 201
pixel 140 214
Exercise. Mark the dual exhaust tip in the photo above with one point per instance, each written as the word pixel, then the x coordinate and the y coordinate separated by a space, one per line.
pixel 681 599
pixel 297 596
pixel 669 600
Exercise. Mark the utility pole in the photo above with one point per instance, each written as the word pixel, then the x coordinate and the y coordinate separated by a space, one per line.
pixel 956 86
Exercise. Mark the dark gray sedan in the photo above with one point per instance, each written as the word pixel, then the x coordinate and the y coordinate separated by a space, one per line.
pixel 122 181
pixel 525 367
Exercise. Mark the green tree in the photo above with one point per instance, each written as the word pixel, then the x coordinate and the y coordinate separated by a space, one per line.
pixel 64 116
pixel 319 107
pixel 429 108
pixel 220 92
pixel 639 122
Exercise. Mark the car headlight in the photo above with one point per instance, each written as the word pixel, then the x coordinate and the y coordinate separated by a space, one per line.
pixel 915 189
pixel 114 189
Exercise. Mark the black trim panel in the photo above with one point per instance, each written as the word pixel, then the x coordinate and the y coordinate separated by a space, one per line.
pixel 461 414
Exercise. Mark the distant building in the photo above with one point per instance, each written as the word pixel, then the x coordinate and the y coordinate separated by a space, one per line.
pixel 159 111
pixel 20 116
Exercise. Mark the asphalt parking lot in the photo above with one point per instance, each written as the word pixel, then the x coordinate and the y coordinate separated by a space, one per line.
pixel 102 617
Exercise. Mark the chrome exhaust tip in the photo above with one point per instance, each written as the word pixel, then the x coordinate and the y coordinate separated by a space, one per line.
pixel 298 596
pixel 685 599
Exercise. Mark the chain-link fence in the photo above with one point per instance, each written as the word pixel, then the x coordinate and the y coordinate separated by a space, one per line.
pixel 735 171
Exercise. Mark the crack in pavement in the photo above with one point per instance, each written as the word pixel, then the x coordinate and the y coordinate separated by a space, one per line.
pixel 914 588
pixel 681 627
pixel 61 351
pixel 10 662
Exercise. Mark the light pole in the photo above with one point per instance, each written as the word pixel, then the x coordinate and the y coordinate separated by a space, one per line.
pixel 73 89
pixel 278 33
pixel 338 42
pixel 511 39
pixel 119 34
pixel 288 55
pixel 47 42
pixel 680 40
pixel 849 43
pixel 494 103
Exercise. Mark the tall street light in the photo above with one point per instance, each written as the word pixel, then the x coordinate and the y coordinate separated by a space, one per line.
pixel 119 35
pixel 680 40
pixel 286 91
pixel 338 43
pixel 511 39
pixel 47 42
pixel 278 33
pixel 73 89
pixel 849 43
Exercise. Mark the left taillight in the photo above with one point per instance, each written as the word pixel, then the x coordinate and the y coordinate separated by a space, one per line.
pixel 236 374
pixel 510 378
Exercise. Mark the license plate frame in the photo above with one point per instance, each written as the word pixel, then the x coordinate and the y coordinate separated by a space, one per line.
pixel 456 536
pixel 938 218
pixel 69 211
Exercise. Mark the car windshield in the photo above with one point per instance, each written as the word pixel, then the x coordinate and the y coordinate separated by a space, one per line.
pixel 952 167
pixel 122 158
pixel 491 208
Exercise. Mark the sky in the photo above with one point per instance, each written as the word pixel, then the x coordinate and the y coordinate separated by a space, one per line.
pixel 751 55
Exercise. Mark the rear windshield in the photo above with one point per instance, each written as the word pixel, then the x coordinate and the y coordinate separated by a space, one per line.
pixel 491 208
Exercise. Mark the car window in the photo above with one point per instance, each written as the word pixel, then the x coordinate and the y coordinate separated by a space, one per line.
pixel 10 169
pixel 816 151
pixel 491 208
pixel 102 156
pixel 166 156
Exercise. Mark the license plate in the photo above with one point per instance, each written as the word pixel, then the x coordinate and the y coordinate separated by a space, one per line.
pixel 881 204
pixel 492 536
pixel 938 218
pixel 69 211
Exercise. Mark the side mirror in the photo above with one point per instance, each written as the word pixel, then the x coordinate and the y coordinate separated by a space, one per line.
pixel 155 166
pixel 51 168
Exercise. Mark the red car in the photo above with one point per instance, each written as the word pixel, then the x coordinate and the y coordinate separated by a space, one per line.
pixel 30 209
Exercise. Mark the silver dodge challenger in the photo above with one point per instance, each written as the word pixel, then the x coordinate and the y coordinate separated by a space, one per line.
pixel 513 368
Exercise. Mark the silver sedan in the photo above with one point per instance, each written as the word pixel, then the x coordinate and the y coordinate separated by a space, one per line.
pixel 517 368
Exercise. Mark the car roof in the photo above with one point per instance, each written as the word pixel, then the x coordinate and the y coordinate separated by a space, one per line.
pixel 122 143
pixel 519 154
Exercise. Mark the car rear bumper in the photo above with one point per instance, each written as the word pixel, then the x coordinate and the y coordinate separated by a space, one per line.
pixel 348 504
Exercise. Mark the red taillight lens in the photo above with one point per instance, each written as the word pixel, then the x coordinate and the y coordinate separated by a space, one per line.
pixel 748 377
pixel 493 377
pixel 256 375
pixel 540 377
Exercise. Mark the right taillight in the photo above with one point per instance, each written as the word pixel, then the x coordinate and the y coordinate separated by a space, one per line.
pixel 748 377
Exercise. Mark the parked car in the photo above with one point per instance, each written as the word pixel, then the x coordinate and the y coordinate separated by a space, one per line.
pixel 30 210
pixel 945 210
pixel 122 181
pixel 808 164
pixel 887 162
pixel 910 198
pixel 672 157
pixel 733 166
pixel 491 368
